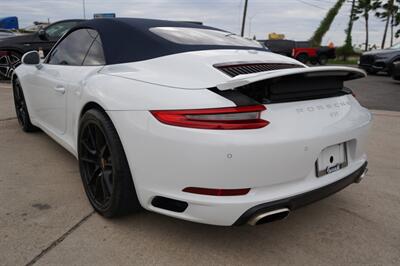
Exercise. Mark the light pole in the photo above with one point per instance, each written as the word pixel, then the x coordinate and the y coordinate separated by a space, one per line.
pixel 84 9
pixel 244 18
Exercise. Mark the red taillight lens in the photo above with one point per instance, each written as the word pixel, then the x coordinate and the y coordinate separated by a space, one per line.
pixel 216 191
pixel 244 117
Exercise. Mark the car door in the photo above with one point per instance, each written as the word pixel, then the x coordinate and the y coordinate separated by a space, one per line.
pixel 58 77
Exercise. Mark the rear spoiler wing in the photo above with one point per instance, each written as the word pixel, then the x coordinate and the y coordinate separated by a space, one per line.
pixel 340 72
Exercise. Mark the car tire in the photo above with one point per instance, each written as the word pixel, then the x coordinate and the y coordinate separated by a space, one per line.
pixel 313 61
pixel 303 58
pixel 21 109
pixel 322 60
pixel 391 71
pixel 104 168
pixel 8 63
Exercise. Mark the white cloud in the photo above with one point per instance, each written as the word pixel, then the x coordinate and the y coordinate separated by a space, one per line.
pixel 291 17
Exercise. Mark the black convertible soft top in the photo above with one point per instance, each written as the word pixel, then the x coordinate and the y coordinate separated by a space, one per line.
pixel 129 39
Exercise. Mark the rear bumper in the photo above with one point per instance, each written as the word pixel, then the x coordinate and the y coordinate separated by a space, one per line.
pixel 276 162
pixel 375 66
pixel 298 201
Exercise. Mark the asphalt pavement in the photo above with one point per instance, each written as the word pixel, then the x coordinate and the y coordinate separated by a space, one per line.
pixel 377 92
pixel 45 218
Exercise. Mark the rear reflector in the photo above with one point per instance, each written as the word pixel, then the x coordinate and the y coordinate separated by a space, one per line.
pixel 216 191
pixel 243 117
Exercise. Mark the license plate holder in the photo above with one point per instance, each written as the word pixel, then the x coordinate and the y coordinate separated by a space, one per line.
pixel 331 159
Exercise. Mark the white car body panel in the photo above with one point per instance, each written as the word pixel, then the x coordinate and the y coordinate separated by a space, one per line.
pixel 173 158
pixel 190 66
pixel 276 161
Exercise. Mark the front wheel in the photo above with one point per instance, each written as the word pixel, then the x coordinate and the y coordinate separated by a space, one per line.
pixel 21 108
pixel 104 168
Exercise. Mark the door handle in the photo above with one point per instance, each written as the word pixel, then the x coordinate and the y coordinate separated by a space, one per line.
pixel 60 89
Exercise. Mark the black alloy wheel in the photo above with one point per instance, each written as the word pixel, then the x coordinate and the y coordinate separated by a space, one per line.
pixel 97 165
pixel 8 63
pixel 104 168
pixel 21 108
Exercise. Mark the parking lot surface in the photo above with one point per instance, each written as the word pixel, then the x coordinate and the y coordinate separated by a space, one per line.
pixel 45 218
pixel 377 92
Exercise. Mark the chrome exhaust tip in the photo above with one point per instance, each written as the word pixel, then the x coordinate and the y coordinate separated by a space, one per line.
pixel 361 177
pixel 268 217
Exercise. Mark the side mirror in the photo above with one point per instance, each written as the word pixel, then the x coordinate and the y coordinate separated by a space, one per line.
pixel 42 34
pixel 31 58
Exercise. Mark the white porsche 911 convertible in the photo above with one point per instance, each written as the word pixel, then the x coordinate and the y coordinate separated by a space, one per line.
pixel 192 121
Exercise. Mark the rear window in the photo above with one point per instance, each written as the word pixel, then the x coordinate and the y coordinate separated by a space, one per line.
pixel 197 36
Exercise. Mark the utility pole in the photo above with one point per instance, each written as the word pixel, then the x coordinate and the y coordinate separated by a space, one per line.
pixel 244 18
pixel 84 9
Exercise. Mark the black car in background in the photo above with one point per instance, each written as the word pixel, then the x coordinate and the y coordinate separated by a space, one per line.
pixel 380 60
pixel 12 48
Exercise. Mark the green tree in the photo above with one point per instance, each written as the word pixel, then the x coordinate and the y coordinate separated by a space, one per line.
pixel 387 11
pixel 397 22
pixel 362 9
pixel 326 23
pixel 347 48
pixel 394 21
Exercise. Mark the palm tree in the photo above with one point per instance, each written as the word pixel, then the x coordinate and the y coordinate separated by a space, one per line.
pixel 394 21
pixel 363 8
pixel 386 12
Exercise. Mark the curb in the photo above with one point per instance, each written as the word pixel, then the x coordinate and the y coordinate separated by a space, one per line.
pixel 385 113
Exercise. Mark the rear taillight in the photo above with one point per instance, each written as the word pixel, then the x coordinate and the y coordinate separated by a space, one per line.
pixel 217 191
pixel 244 117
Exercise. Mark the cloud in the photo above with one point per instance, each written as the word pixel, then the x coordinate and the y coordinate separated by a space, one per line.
pixel 294 18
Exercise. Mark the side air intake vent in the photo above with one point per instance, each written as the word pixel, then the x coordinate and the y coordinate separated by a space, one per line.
pixel 249 68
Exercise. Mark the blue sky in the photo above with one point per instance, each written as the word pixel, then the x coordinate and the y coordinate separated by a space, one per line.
pixel 297 19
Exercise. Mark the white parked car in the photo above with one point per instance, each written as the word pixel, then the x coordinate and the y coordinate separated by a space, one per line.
pixel 192 121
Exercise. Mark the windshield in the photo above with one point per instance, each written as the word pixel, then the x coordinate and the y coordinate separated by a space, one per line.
pixel 197 36
pixel 396 46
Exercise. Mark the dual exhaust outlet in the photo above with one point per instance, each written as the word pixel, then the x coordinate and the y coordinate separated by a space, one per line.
pixel 282 213
pixel 268 217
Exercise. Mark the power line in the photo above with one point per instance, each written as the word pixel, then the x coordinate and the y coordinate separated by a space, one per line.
pixel 309 4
